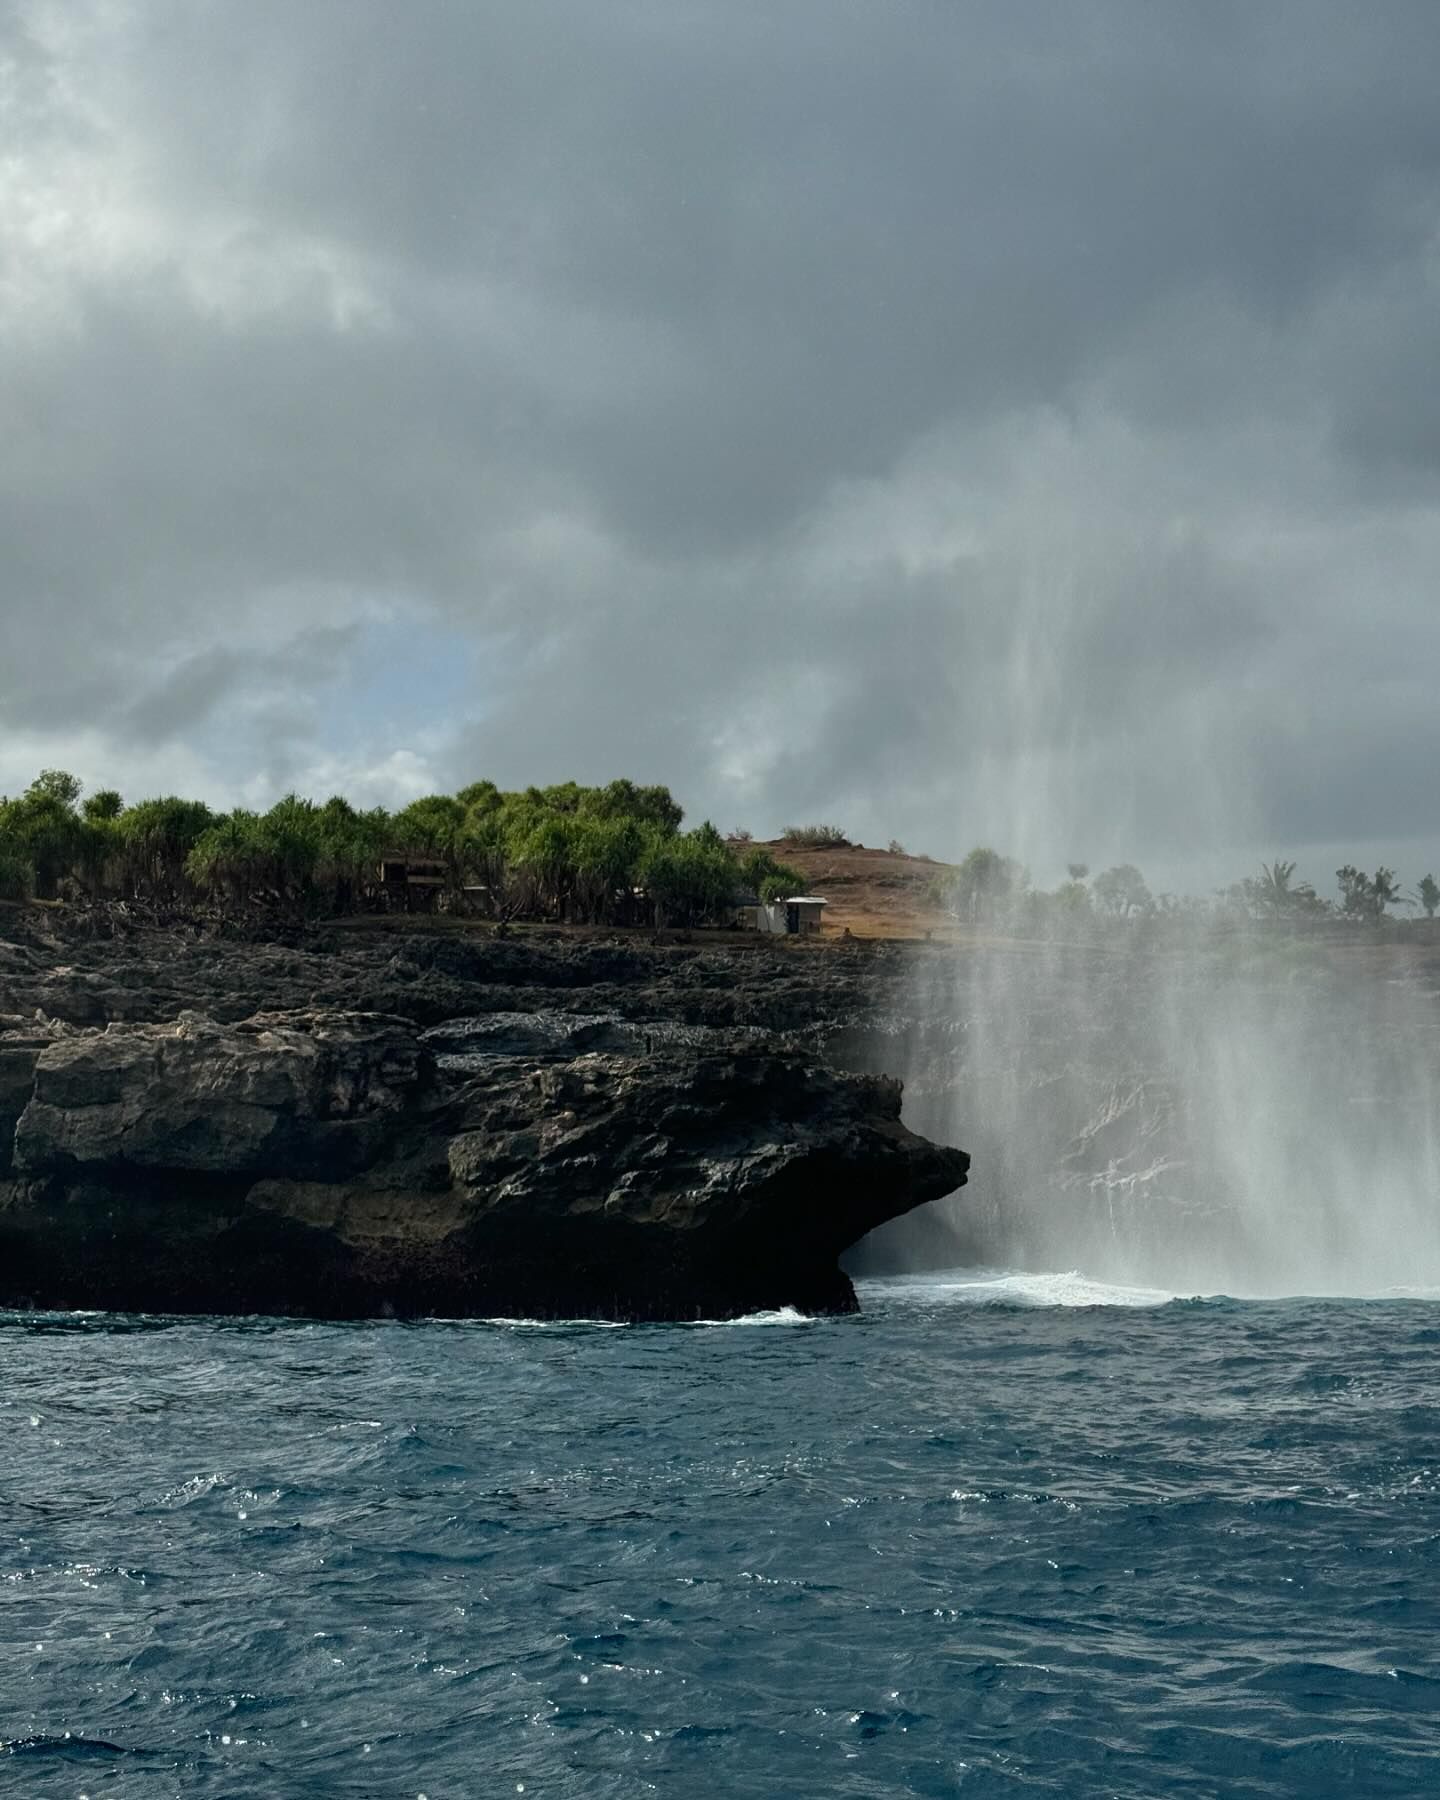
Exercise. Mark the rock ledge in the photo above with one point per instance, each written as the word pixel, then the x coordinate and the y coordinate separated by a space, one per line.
pixel 509 1162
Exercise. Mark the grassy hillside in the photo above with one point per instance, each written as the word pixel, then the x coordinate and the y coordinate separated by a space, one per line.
pixel 872 893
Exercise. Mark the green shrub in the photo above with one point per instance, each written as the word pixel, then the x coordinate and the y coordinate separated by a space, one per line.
pixel 687 879
pixel 42 828
pixel 768 876
pixel 17 877
pixel 103 804
pixel 815 837
pixel 607 855
pixel 157 837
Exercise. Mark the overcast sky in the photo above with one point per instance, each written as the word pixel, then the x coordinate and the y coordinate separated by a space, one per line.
pixel 1012 422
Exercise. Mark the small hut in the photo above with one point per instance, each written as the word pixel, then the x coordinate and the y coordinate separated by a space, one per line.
pixel 804 914
pixel 799 916
pixel 411 883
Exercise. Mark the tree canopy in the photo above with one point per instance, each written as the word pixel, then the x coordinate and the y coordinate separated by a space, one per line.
pixel 614 854
pixel 611 854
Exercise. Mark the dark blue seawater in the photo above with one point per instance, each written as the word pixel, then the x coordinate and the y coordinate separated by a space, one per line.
pixel 944 1548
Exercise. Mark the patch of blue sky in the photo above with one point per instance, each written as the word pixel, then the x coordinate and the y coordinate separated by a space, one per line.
pixel 405 683
pixel 373 711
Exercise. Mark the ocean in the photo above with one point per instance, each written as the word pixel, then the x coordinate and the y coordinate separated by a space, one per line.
pixel 998 1535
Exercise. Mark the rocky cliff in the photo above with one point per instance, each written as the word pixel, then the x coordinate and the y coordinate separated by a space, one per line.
pixel 365 1124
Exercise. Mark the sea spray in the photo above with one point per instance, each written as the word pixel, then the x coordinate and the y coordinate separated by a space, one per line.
pixel 1189 1109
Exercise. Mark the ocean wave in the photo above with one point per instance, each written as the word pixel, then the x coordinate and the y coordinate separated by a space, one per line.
pixel 780 1315
pixel 1004 1287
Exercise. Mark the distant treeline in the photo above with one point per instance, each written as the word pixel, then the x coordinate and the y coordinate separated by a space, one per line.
pixel 988 888
pixel 601 855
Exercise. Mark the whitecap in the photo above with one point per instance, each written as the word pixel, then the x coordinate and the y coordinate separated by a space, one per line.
pixel 780 1315
pixel 1010 1287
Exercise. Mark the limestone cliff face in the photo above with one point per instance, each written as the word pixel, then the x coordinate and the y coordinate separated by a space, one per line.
pixel 504 1160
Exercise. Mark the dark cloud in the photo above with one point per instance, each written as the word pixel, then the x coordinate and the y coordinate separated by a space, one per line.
pixel 969 420
pixel 186 695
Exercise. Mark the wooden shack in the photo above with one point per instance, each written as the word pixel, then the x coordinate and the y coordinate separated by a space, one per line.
pixel 411 883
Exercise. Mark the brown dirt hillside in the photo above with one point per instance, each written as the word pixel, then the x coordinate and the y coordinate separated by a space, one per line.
pixel 872 893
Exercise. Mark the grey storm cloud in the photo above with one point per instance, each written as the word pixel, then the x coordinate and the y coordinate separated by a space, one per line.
pixel 971 420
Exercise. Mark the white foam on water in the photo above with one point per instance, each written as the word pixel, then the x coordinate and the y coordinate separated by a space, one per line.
pixel 782 1315
pixel 503 1322
pixel 1003 1287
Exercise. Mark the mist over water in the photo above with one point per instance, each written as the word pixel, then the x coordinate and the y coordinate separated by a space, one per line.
pixel 1184 1101
pixel 1250 1113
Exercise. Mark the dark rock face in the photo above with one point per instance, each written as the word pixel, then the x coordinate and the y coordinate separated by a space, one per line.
pixel 706 1181
pixel 19 1053
pixel 514 1160
pixel 311 1094
pixel 92 969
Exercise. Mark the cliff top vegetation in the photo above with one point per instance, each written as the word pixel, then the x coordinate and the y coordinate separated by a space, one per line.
pixel 607 855
pixel 594 855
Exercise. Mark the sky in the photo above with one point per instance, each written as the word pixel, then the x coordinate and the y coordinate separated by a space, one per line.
pixel 1003 421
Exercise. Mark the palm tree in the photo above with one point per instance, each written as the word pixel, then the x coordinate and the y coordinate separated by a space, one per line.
pixel 1273 889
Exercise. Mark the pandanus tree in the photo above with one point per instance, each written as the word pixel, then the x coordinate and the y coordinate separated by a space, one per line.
pixel 687 879
pixel 100 845
pixel 483 853
pixel 352 845
pixel 607 856
pixel 17 873
pixel 156 839
pixel 481 800
pixel 435 827
pixel 770 878
pixel 290 837
pixel 298 856
pixel 42 831
pixel 229 861
pixel 654 806
pixel 546 854
pixel 98 855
